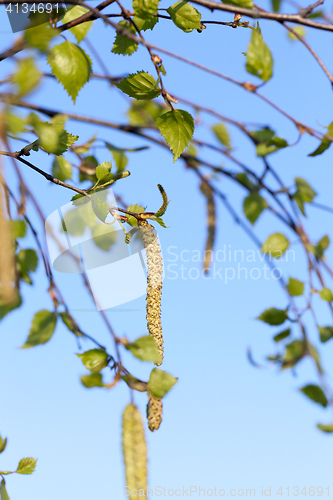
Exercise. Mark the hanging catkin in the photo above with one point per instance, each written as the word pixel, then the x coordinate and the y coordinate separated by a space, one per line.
pixel 211 223
pixel 7 263
pixel 154 412
pixel 154 284
pixel 134 450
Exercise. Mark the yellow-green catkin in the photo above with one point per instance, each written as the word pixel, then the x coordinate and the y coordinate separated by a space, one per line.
pixel 134 451
pixel 7 260
pixel 211 225
pixel 154 284
pixel 154 412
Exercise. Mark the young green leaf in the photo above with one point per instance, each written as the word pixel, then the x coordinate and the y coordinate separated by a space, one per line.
pixel 26 466
pixel 325 428
pixel 3 491
pixel 145 348
pixel 3 444
pixel 299 30
pixel 27 76
pixel 240 3
pixel 19 228
pixel 177 127
pixel 122 44
pixel 160 383
pixel 222 134
pixel 61 168
pixel 275 245
pixel 276 5
pixel 303 194
pixel 27 261
pixel 253 205
pixel 71 66
pixel 282 335
pixel 103 170
pixel 140 85
pixel 321 246
pixel 42 328
pixel 325 143
pixel 92 380
pixel 274 316
pixel 295 351
pixel 315 393
pixel 326 333
pixel 40 37
pixel 104 236
pixel 326 294
pixel 295 287
pixel 145 112
pixel 185 16
pixel 144 13
pixel 80 31
pixel 259 58
pixel 119 156
pixel 94 360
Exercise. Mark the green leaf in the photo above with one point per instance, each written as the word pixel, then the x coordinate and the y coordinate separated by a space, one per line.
pixel 144 14
pixel 253 205
pixel 299 30
pixel 3 444
pixel 326 294
pixel 240 3
pixel 271 146
pixel 177 128
pixel 27 76
pixel 325 428
pixel 321 246
pixel 221 132
pixel 274 316
pixel 275 245
pixel 325 143
pixel 246 182
pixel 69 323
pixel 92 380
pixel 145 112
pixel 122 44
pixel 276 5
pixel 14 124
pixel 80 31
pixel 282 335
pixel 295 287
pixel 40 37
pixel 61 168
pixel 52 135
pixel 315 393
pixel 160 383
pixel 295 351
pixel 185 16
pixel 326 333
pixel 119 157
pixel 259 58
pixel 100 208
pixel 26 466
pixel 71 66
pixel 94 360
pixel 304 193
pixel 145 348
pixel 19 228
pixel 27 261
pixel 139 85
pixel 42 328
pixel 3 491
pixel 160 221
pixel 104 236
pixel 103 170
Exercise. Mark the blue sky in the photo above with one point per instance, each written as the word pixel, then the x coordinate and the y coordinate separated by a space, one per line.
pixel 226 424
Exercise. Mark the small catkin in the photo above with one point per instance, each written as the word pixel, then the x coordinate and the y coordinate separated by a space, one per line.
pixel 134 450
pixel 154 284
pixel 211 225
pixel 7 263
pixel 154 412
